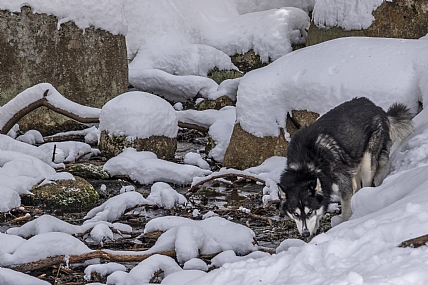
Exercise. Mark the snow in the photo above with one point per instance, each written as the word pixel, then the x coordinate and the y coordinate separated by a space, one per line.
pixel 145 168
pixel 115 207
pixel 220 124
pixel 103 269
pixel 194 158
pixel 190 238
pixel 349 15
pixel 363 250
pixel 122 116
pixel 164 195
pixel 108 16
pixel 329 74
pixel 10 277
pixel 42 246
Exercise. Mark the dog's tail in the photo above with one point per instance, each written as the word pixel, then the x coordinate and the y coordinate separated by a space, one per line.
pixel 400 122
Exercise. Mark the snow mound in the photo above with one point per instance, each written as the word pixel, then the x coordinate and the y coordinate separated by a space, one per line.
pixel 194 158
pixel 320 77
pixel 103 269
pixel 190 238
pixel 144 271
pixel 11 277
pixel 164 195
pixel 129 113
pixel 146 168
pixel 43 246
pixel 114 207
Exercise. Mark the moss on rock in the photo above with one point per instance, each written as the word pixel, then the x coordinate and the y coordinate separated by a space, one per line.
pixel 64 195
pixel 163 147
pixel 87 171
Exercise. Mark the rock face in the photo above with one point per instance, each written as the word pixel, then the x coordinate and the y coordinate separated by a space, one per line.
pixel 246 150
pixel 163 147
pixel 64 195
pixel 393 19
pixel 88 67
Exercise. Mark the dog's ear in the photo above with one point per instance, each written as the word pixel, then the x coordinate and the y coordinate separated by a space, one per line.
pixel 281 192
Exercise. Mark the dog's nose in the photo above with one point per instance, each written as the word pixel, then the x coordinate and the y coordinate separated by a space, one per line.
pixel 306 234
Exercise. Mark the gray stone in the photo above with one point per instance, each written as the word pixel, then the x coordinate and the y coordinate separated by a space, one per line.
pixel 88 67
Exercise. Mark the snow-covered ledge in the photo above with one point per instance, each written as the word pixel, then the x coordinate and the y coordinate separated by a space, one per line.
pixel 320 77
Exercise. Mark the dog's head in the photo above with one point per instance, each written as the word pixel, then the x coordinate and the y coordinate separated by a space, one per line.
pixel 303 200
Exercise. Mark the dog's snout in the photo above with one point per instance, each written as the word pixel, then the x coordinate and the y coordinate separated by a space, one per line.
pixel 306 234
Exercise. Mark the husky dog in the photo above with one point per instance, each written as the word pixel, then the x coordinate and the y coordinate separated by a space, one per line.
pixel 339 153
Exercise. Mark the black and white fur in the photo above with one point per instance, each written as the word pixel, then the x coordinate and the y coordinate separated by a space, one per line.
pixel 339 153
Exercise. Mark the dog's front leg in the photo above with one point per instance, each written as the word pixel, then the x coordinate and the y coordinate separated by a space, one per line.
pixel 346 191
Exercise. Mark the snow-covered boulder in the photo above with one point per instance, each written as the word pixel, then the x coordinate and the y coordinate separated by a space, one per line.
pixel 139 120
pixel 372 18
pixel 318 78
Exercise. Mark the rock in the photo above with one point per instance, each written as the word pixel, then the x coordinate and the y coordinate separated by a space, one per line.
pixel 63 195
pixel 88 67
pixel 298 119
pixel 220 75
pixel 246 150
pixel 87 171
pixel 393 19
pixel 247 61
pixel 216 104
pixel 163 147
pixel 139 120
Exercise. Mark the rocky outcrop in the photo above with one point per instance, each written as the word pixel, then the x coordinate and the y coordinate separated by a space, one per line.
pixel 88 67
pixel 393 19
pixel 245 150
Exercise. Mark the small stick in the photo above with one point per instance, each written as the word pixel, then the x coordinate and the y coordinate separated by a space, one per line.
pixel 194 187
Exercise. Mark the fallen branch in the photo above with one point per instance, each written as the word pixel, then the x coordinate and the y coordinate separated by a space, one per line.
pixel 271 202
pixel 61 138
pixel 11 114
pixel 415 242
pixel 106 256
pixel 225 175
pixel 192 126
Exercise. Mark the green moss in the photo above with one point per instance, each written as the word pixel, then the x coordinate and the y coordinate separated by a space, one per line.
pixel 220 75
pixel 216 104
pixel 248 61
pixel 64 195
pixel 88 171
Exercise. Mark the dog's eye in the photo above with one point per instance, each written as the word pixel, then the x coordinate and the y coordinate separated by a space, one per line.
pixel 310 212
pixel 296 214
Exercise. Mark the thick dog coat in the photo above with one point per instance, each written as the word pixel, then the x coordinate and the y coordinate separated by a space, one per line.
pixel 339 153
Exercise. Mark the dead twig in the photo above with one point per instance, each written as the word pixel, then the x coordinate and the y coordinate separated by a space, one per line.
pixel 82 155
pixel 225 175
pixel 271 202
